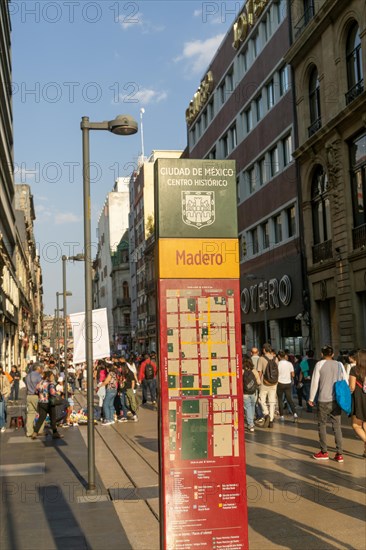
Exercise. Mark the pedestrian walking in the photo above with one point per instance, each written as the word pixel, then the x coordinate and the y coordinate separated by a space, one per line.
pixel 251 383
pixel 46 390
pixel 284 386
pixel 326 373
pixel 147 378
pixel 357 384
pixel 4 394
pixel 268 371
pixel 31 381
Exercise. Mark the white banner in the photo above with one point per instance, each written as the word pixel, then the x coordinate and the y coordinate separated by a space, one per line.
pixel 100 336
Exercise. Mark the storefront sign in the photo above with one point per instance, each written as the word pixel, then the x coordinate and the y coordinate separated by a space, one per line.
pixel 269 294
pixel 246 20
pixel 200 97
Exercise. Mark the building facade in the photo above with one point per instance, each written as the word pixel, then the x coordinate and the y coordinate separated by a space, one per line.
pixel 243 110
pixel 121 289
pixel 331 153
pixel 112 224
pixel 142 226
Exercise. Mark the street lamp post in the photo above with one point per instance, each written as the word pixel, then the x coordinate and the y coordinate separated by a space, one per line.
pixel 123 125
pixel 57 326
pixel 252 277
pixel 65 293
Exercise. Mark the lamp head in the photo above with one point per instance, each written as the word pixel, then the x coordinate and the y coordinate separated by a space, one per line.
pixel 123 125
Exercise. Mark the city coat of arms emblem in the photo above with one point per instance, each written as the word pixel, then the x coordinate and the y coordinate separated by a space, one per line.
pixel 198 208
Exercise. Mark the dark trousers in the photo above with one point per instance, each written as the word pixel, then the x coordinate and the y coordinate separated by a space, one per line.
pixel 285 389
pixel 148 385
pixel 332 411
pixel 43 410
pixel 14 392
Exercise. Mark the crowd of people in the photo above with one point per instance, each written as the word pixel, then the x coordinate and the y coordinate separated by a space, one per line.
pixel 271 382
pixel 116 380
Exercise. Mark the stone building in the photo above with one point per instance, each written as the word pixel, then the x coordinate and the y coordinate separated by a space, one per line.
pixel 328 58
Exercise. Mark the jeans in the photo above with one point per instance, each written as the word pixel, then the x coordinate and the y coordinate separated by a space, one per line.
pixel 270 393
pixel 249 408
pixel 108 404
pixel 306 393
pixel 285 389
pixel 151 386
pixel 14 392
pixel 2 414
pixel 332 410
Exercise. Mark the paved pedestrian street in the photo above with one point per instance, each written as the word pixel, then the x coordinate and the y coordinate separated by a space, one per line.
pixel 294 502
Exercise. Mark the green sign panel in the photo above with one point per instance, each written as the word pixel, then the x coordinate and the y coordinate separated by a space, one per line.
pixel 196 198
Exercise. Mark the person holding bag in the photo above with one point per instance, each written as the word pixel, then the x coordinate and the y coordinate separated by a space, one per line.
pixel 47 401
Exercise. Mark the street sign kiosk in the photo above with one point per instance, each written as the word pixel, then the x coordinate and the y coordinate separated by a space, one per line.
pixel 202 454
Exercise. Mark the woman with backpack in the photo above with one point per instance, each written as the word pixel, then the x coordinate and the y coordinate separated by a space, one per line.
pixel 251 383
pixel 357 384
pixel 46 391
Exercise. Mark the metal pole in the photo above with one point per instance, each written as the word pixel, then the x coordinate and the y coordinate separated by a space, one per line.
pixel 64 258
pixel 88 305
pixel 265 318
pixel 57 330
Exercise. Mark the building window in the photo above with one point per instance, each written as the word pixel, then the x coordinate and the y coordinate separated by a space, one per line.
pixel 251 180
pixel 320 206
pixel 244 60
pixel 225 146
pixel 248 120
pixel 287 150
pixel 125 290
pixel 254 239
pixel 277 226
pixel 259 107
pixel 238 189
pixel 212 153
pixel 265 235
pixel 222 93
pixel 229 82
pixel 233 137
pixel 354 64
pixel 270 95
pixel 262 171
pixel 255 41
pixel 358 181
pixel 274 161
pixel 284 80
pixel 210 111
pixel 314 102
pixel 291 221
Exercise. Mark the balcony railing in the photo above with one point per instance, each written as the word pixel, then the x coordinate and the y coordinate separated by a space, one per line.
pixel 359 236
pixel 322 251
pixel 123 302
pixel 315 126
pixel 301 24
pixel 355 91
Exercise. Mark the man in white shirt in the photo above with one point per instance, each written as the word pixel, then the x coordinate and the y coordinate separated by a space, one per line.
pixel 326 373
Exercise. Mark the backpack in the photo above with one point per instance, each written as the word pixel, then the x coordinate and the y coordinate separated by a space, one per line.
pixel 249 382
pixel 270 375
pixel 149 371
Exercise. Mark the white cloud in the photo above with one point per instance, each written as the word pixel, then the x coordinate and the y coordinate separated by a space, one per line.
pixel 66 217
pixel 199 53
pixel 144 96
pixel 136 20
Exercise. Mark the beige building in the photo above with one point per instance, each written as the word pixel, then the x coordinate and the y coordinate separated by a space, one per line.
pixel 328 58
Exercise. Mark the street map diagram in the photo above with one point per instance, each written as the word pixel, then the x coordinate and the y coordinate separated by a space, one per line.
pixel 202 367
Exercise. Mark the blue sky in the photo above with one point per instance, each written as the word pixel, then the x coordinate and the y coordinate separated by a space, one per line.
pixel 99 59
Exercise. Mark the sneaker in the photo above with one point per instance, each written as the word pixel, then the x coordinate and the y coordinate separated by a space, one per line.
pixel 108 423
pixel 338 458
pixel 321 456
pixel 295 417
pixel 34 435
pixel 134 418
pixel 266 422
pixel 3 429
pixel 251 429
pixel 270 425
pixel 282 418
pixel 123 419
pixel 57 436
